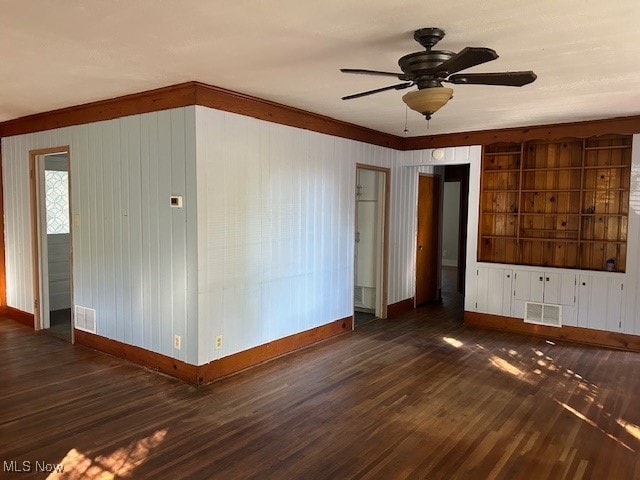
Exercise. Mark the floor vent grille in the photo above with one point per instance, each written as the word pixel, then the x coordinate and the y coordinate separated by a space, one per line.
pixel 543 314
pixel 358 296
pixel 85 319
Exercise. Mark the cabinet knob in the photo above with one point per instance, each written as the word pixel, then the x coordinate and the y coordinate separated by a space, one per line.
pixel 584 284
pixel 508 276
pixel 540 278
pixel 547 279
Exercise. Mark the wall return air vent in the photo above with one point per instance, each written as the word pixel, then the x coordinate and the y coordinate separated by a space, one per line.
pixel 85 319
pixel 543 314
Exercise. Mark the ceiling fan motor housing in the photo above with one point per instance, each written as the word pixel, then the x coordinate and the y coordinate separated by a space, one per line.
pixel 428 69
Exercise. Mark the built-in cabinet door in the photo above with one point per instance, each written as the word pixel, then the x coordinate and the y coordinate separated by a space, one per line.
pixel 552 283
pixel 494 291
pixel 544 287
pixel 536 292
pixel 600 301
pixel 507 286
pixel 615 301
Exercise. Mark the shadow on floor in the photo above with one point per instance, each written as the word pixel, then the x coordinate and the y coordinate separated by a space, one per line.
pixel 60 321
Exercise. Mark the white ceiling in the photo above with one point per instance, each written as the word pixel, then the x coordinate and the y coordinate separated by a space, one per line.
pixel 586 54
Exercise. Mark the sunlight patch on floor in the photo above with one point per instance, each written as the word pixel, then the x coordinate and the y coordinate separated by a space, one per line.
pixel 592 423
pixel 121 463
pixel 631 428
pixel 505 366
pixel 453 342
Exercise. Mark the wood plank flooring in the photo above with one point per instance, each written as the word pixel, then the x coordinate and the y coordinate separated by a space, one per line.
pixel 419 397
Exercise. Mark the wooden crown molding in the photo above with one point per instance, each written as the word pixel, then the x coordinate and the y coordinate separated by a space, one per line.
pixel 174 96
pixel 229 101
pixel 197 93
pixel 584 129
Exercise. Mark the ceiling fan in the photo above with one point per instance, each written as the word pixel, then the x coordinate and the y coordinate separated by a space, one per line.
pixel 428 69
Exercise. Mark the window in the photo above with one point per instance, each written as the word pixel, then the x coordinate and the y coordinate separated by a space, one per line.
pixel 56 184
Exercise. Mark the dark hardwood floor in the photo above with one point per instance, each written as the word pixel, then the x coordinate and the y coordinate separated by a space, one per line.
pixel 419 397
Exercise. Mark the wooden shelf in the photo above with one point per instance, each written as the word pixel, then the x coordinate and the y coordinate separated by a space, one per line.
pixel 561 214
pixel 513 202
pixel 546 240
pixel 496 190
pixel 495 154
pixel 554 190
pixel 559 230
pixel 613 242
pixel 605 167
pixel 550 169
pixel 610 147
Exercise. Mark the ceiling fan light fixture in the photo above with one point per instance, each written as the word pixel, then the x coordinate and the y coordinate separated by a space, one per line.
pixel 428 100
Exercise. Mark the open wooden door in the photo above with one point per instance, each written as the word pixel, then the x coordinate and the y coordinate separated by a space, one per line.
pixel 427 239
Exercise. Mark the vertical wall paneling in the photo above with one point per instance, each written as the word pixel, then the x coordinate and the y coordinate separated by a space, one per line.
pixel 133 253
pixel 3 284
pixel 631 323
pixel 275 218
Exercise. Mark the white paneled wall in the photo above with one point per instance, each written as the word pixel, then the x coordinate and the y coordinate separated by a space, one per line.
pixel 134 256
pixel 263 247
pixel 276 210
pixel 632 297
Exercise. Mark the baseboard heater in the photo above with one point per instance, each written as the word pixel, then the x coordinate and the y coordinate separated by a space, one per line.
pixel 543 314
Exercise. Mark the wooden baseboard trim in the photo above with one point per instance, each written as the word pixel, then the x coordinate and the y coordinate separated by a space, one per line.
pixel 19 316
pixel 619 341
pixel 398 308
pixel 223 367
pixel 231 364
pixel 138 355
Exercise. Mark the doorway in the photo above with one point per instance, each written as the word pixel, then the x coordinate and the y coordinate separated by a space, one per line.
pixel 371 234
pixel 458 175
pixel 427 240
pixel 51 230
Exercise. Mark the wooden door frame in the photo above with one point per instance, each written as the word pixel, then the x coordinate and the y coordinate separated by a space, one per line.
pixel 439 179
pixel 35 231
pixel 385 233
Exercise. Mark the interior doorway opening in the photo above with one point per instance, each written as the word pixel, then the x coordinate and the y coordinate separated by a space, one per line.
pixel 52 251
pixel 371 232
pixel 441 256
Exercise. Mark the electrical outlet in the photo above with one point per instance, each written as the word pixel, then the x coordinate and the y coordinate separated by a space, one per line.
pixel 176 342
pixel 218 342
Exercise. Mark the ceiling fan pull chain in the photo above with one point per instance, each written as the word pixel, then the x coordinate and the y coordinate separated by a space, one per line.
pixel 406 111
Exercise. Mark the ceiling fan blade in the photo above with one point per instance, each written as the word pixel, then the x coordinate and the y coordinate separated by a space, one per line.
pixel 466 58
pixel 372 72
pixel 399 86
pixel 509 79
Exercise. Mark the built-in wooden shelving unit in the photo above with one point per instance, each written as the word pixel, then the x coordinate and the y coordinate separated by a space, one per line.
pixel 560 204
